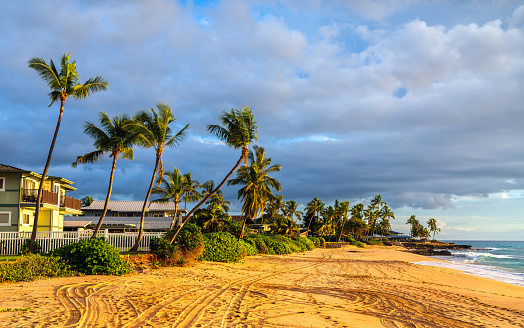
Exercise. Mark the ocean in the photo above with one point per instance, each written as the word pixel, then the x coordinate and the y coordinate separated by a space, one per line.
pixel 498 260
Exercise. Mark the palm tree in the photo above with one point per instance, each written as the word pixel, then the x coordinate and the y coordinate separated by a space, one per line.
pixel 325 225
pixel 275 205
pixel 63 84
pixel 191 193
pixel 343 210
pixel 238 129
pixel 113 137
pixel 171 191
pixel 214 199
pixel 86 201
pixel 292 210
pixel 414 223
pixel 217 219
pixel 432 225
pixel 256 184
pixel 283 226
pixel 154 132
pixel 314 207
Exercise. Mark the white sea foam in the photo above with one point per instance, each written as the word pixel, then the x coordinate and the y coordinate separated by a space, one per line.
pixel 480 271
pixel 474 256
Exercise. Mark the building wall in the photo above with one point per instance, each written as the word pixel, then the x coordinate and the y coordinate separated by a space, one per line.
pixel 10 200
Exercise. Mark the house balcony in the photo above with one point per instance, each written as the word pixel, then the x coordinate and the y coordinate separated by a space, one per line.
pixel 70 205
pixel 48 197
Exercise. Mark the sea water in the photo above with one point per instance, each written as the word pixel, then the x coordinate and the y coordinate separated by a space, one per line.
pixel 498 260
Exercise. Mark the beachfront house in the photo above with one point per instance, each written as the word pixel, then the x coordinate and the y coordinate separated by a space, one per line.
pixel 124 216
pixel 18 193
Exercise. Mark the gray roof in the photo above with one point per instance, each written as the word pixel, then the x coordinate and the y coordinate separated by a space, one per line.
pixel 131 206
pixel 76 224
pixel 150 223
pixel 9 168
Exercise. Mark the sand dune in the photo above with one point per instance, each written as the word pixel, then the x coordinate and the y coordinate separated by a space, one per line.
pixel 348 287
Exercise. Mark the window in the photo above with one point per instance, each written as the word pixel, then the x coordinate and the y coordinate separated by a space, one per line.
pixel 98 215
pixel 115 215
pixel 2 184
pixel 57 188
pixel 26 219
pixel 5 218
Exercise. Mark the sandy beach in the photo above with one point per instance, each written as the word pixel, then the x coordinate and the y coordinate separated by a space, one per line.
pixel 347 287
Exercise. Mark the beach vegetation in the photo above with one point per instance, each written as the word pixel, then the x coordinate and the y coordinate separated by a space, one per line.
pixel 359 244
pixel 93 256
pixel 222 247
pixel 432 226
pixel 170 190
pixel 162 248
pixel 216 198
pixel 154 131
pixel 64 83
pixel 238 129
pixel 256 184
pixel 112 137
pixel 86 201
pixel 190 190
pixel 283 226
pixel 35 266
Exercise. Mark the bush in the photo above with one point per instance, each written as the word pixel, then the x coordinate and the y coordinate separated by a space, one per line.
pixel 358 244
pixel 374 242
pixel 190 237
pixel 276 245
pixel 221 247
pixel 93 256
pixel 248 249
pixel 34 266
pixel 37 249
pixel 305 242
pixel 258 243
pixel 162 248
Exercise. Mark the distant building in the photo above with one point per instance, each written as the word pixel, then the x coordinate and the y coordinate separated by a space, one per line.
pixel 18 194
pixel 125 216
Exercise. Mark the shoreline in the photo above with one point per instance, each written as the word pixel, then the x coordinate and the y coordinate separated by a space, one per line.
pixel 377 286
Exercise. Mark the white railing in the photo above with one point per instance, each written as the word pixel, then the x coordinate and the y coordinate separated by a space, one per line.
pixel 11 242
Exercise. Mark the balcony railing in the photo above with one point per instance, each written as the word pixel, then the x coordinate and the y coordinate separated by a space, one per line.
pixel 29 196
pixel 70 203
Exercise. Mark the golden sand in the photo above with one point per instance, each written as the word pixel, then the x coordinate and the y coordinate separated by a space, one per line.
pixel 347 287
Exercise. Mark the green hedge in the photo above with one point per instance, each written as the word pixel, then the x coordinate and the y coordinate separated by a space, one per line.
pixel 33 267
pixel 222 247
pixel 93 256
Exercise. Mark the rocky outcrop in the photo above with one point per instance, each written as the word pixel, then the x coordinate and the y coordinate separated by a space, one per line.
pixel 433 249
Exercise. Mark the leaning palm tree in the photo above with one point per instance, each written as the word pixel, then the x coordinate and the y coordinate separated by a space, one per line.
pixel 171 190
pixel 154 132
pixel 63 84
pixel 238 129
pixel 113 137
pixel 256 184
pixel 432 225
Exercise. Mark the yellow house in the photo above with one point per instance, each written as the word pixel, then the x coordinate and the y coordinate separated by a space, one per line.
pixel 18 193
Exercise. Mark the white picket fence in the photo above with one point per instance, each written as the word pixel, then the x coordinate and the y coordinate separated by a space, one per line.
pixel 11 242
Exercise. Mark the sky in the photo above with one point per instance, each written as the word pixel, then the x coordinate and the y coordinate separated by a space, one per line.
pixel 417 101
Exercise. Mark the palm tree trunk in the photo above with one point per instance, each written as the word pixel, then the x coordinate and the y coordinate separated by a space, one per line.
pixel 41 186
pixel 141 230
pixel 243 226
pixel 106 204
pixel 202 202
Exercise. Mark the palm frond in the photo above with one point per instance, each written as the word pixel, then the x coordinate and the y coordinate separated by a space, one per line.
pixel 88 158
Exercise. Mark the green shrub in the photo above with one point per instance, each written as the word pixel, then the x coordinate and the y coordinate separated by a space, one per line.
pixel 190 237
pixel 358 244
pixel 276 245
pixel 34 266
pixel 221 247
pixel 93 256
pixel 162 248
pixel 37 249
pixel 305 242
pixel 248 249
pixel 315 241
pixel 258 242
pixel 374 242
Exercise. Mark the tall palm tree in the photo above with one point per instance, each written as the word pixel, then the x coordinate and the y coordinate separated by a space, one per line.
pixel 217 219
pixel 343 210
pixel 171 190
pixel 276 204
pixel 154 132
pixel 191 193
pixel 256 184
pixel 325 225
pixel 216 198
pixel 283 226
pixel 113 137
pixel 238 129
pixel 292 209
pixel 63 84
pixel 315 206
pixel 432 225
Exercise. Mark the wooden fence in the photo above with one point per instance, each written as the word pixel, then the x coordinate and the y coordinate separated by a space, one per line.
pixel 11 242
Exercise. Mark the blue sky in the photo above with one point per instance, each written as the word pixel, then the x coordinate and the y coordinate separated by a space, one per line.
pixel 419 101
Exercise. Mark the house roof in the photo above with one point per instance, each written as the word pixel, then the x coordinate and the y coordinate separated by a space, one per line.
pixel 131 206
pixel 9 168
pixel 150 223
pixel 76 224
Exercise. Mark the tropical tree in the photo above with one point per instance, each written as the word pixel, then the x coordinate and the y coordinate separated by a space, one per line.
pixel 256 183
pixel 216 198
pixel 275 206
pixel 283 226
pixel 171 190
pixel 154 132
pixel 326 223
pixel 238 129
pixel 191 193
pixel 292 210
pixel 432 225
pixel 385 214
pixel 314 207
pixel 86 201
pixel 112 137
pixel 63 84
pixel 342 211
pixel 215 220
